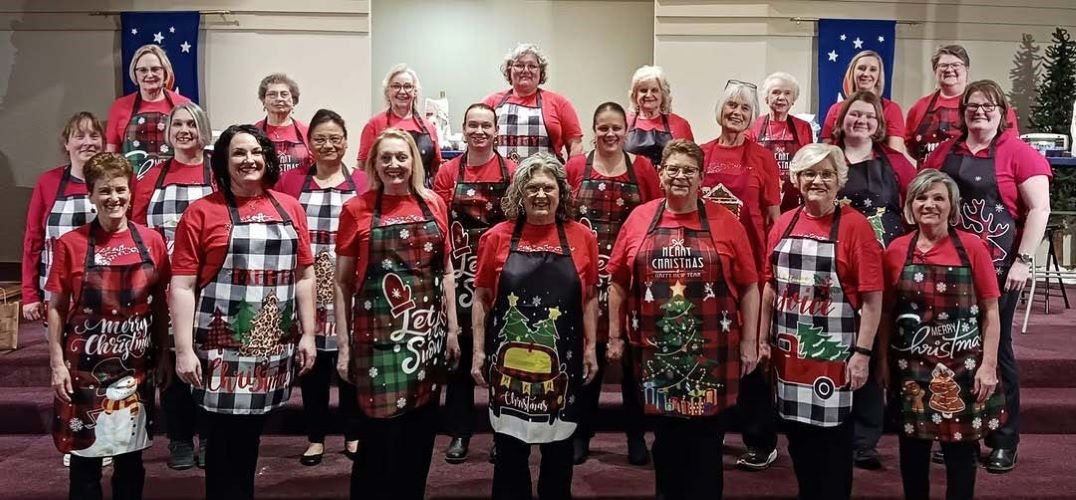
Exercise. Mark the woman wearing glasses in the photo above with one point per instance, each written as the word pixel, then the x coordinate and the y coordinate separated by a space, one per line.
pixel 1005 199
pixel 402 95
pixel 866 73
pixel 279 95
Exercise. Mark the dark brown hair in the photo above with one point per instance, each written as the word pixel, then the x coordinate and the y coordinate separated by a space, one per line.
pixel 993 93
pixel 956 51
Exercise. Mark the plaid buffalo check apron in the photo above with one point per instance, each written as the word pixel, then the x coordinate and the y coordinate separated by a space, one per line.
pixel 937 350
pixel 685 322
pixel 814 327
pixel 144 143
pixel 523 131
pixel 107 347
pixel 783 148
pixel 936 127
pixel 170 200
pixel 290 154
pixel 603 206
pixel 323 205
pixel 245 319
pixel 68 211
pixel 399 341
pixel 476 207
pixel 873 190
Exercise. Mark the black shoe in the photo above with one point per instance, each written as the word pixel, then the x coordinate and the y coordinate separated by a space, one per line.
pixel 312 460
pixel 202 445
pixel 493 454
pixel 180 455
pixel 868 459
pixel 637 453
pixel 457 450
pixel 756 459
pixel 938 457
pixel 580 450
pixel 1001 461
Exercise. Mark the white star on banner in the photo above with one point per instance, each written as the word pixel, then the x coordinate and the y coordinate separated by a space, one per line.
pixel 844 37
pixel 185 47
pixel 158 37
pixel 171 29
pixel 857 43
pixel 881 39
pixel 134 31
pixel 832 56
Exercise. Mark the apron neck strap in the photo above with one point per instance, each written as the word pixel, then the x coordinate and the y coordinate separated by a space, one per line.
pixel 418 198
pixel 517 233
pixel 589 168
pixel 91 244
pixel 833 230
pixel 233 208
pixel 953 236
pixel 700 210
pixel 463 166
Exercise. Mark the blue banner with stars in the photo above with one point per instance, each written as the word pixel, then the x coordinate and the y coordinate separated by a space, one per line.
pixel 176 33
pixel 839 40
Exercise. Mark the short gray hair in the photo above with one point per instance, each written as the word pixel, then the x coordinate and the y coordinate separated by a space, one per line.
pixel 520 51
pixel 923 182
pixel 741 92
pixel 657 74
pixel 780 77
pixel 815 153
pixel 201 122
pixel 512 202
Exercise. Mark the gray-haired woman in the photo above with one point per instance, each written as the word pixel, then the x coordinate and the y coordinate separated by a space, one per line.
pixel 279 95
pixel 534 319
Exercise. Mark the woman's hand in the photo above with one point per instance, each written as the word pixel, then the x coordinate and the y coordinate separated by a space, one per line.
pixel 343 363
pixel 590 364
pixel 764 352
pixel 478 362
pixel 1016 280
pixel 61 383
pixel 858 365
pixel 748 357
pixel 453 351
pixel 986 381
pixel 34 311
pixel 306 353
pixel 614 349
pixel 189 367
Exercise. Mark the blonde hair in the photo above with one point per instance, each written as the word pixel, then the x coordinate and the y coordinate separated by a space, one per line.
pixel 815 153
pixel 923 182
pixel 201 122
pixel 849 85
pixel 657 74
pixel 742 91
pixel 778 77
pixel 519 51
pixel 418 172
pixel 512 202
pixel 398 69
pixel 151 48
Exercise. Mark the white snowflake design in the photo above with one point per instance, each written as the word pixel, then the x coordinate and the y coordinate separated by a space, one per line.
pixel 76 424
pixel 909 429
pixel 583 209
pixel 601 186
pixel 915 307
pixel 470 192
pixel 978 178
pixel 974 310
pixel 868 202
pixel 136 143
pixel 969 363
pixel 568 355
pixel 405 234
pixel 396 293
pixel 400 403
pixel 489 205
pixel 958 436
pixel 387 264
pixel 936 418
pixel 620 202
pixel 940 287
pixel 993 424
pixel 903 364
pixel 368 305
pixel 373 372
pixel 536 301
pixel 164 148
pixel 943 316
pixel 999 207
pixel 141 120
pixel 421 375
pixel 918 277
pixel 977 423
pixel 428 247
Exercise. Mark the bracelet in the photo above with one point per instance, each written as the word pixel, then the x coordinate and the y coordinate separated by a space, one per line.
pixel 862 350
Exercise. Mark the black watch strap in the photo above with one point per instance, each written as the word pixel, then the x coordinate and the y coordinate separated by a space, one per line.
pixel 861 350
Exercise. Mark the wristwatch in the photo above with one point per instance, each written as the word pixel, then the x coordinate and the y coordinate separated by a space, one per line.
pixel 861 350
pixel 1024 258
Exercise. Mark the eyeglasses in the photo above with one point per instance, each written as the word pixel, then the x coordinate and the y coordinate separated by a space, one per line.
pixel 741 82
pixel 142 70
pixel 676 170
pixel 528 66
pixel 406 87
pixel 811 175
pixel 335 140
pixel 986 107
pixel 283 94
pixel 948 66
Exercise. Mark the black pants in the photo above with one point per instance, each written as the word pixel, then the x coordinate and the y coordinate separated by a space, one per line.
pixel 128 477
pixel 868 413
pixel 961 461
pixel 687 457
pixel 315 385
pixel 822 459
pixel 512 474
pixel 758 418
pixel 1008 435
pixel 394 459
pixel 182 417
pixel 232 455
pixel 629 393
pixel 459 395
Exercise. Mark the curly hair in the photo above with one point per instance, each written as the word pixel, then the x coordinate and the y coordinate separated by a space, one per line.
pixel 520 51
pixel 512 203
pixel 273 78
pixel 105 167
pixel 219 159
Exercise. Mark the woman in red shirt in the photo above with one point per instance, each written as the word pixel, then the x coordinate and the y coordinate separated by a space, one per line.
pixel 1005 188
pixel 652 123
pixel 607 184
pixel 243 278
pixel 396 294
pixel 59 204
pixel 108 323
pixel 866 73
pixel 403 95
pixel 279 95
pixel 780 132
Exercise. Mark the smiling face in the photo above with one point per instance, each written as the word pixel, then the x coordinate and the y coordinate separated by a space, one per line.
pixel 861 121
pixel 735 115
pixel 111 197
pixel 83 143
pixel 681 176
pixel 394 163
pixel 951 72
pixel 609 131
pixel 819 184
pixel 525 73
pixel 780 99
pixel 246 160
pixel 328 142
pixel 183 131
pixel 401 90
pixel 932 207
pixel 279 99
pixel 648 97
pixel 479 129
pixel 541 196
pixel 981 113
pixel 149 73
pixel 866 73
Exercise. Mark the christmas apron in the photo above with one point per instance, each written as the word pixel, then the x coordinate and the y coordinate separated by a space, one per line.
pixel 144 143
pixel 169 201
pixel 534 344
pixel 936 127
pixel 322 205
pixel 68 212
pixel 730 188
pixel 783 151
pixel 604 205
pixel 648 143
pixel 427 150
pixel 685 322
pixel 874 191
pixel 814 327
pixel 982 210
pixel 245 319
pixel 476 207
pixel 937 349
pixel 400 339
pixel 290 154
pixel 107 347
pixel 523 131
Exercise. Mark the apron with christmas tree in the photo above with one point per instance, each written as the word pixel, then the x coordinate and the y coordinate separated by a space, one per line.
pixel 107 347
pixel 873 190
pixel 427 150
pixel 814 327
pixel 604 205
pixel 534 343
pixel 476 207
pixel 245 319
pixel 649 143
pixel 783 151
pixel 936 127
pixel 937 349
pixel 144 143
pixel 68 212
pixel 169 201
pixel 323 205
pixel 685 325
pixel 290 154
pixel 523 129
pixel 400 336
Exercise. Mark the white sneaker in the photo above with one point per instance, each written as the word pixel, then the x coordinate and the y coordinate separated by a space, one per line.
pixel 67 460
pixel 105 462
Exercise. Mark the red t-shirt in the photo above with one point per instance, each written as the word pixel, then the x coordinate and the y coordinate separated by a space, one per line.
pixel 678 126
pixel 645 175
pixel 757 168
pixel 730 240
pixel 121 111
pixel 204 230
pixel 494 246
pixel 117 248
pixel 385 119
pixel 894 119
pixel 859 255
pixel 353 233
pixel 561 121
pixel 291 182
pixel 778 130
pixel 944 254
pixel 444 183
pixel 1014 162
pixel 37 215
pixel 285 132
pixel 919 110
pixel 178 173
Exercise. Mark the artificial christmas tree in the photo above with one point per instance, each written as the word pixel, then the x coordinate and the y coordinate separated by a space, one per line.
pixel 1027 68
pixel 1053 110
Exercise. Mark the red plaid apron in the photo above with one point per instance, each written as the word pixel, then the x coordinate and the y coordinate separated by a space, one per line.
pixel 68 212
pixel 936 127
pixel 107 347
pixel 523 131
pixel 873 190
pixel 170 200
pixel 937 350
pixel 649 143
pixel 476 207
pixel 685 323
pixel 426 148
pixel 323 205
pixel 603 206
pixel 290 154
pixel 144 143
pixel 400 333
pixel 245 319
pixel 783 150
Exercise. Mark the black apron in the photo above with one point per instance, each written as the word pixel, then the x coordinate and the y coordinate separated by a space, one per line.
pixel 873 190
pixel 426 148
pixel 649 143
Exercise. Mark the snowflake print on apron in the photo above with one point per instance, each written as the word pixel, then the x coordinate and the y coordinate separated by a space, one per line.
pixel 144 144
